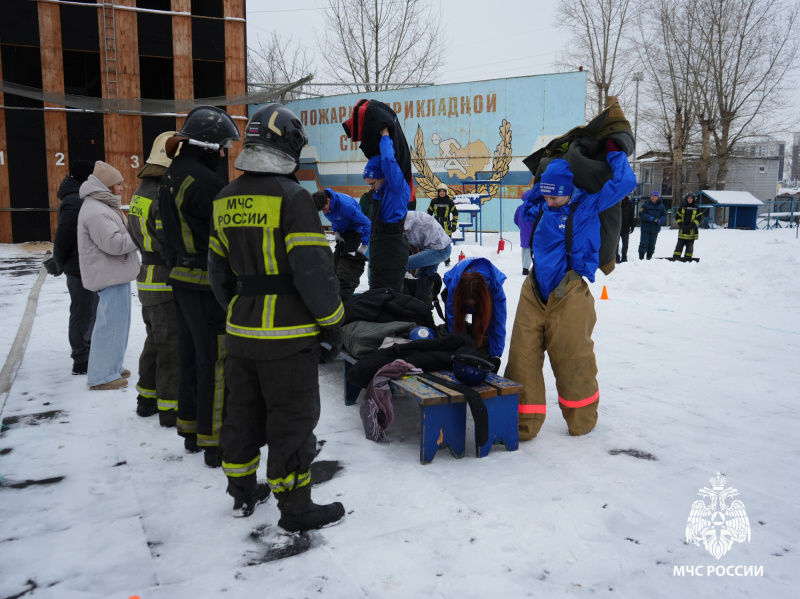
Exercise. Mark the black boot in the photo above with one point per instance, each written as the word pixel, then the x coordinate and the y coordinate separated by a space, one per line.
pixel 168 418
pixel 447 262
pixel 649 255
pixel 146 406
pixel 211 457
pixel 247 494
pixel 299 513
pixel 80 367
pixel 190 443
pixel 641 255
pixel 313 517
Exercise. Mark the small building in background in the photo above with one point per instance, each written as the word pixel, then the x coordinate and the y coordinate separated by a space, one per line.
pixel 735 209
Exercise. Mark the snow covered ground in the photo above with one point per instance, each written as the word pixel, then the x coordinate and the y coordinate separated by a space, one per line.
pixel 699 373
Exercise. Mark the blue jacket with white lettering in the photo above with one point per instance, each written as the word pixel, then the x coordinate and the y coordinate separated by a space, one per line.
pixel 549 246
pixel 395 192
pixel 345 215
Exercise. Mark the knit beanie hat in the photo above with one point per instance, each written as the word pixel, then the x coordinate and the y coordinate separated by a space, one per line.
pixel 556 179
pixel 373 169
pixel 81 169
pixel 108 175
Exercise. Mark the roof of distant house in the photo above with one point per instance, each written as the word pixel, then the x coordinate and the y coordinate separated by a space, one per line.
pixel 732 198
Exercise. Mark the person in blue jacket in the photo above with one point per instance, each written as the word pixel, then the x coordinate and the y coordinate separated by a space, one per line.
pixel 556 308
pixel 388 244
pixel 475 286
pixel 352 229
pixel 652 215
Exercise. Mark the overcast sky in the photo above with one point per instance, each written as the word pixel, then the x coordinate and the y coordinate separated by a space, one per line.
pixel 485 39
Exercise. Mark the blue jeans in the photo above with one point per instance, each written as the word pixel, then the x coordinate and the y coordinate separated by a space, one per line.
pixel 427 261
pixel 110 335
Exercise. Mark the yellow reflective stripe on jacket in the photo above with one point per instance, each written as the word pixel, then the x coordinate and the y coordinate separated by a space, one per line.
pixel 150 393
pixel 247 211
pixel 333 318
pixel 268 317
pixel 268 248
pixel 217 247
pixel 272 333
pixel 289 483
pixel 190 275
pixel 149 284
pixel 186 232
pixel 140 208
pixel 235 470
pixel 153 286
pixel 294 240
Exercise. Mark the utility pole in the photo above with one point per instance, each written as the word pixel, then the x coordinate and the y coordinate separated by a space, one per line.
pixel 637 77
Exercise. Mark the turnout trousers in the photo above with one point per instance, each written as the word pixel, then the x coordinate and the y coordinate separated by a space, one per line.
pixel 684 243
pixel 388 256
pixel 201 347
pixel 273 403
pixel 159 364
pixel 563 328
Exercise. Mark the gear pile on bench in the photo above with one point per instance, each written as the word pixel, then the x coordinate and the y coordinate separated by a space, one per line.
pixel 443 411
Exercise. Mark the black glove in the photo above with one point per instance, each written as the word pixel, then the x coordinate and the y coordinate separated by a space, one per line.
pixel 352 241
pixel 333 337
pixel 53 267
pixel 496 361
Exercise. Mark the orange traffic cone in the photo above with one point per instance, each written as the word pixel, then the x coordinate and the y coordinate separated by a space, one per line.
pixel 604 295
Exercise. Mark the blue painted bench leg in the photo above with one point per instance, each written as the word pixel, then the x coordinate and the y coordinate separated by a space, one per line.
pixel 442 426
pixel 351 391
pixel 503 423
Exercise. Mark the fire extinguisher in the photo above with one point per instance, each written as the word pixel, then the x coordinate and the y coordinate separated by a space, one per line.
pixel 461 256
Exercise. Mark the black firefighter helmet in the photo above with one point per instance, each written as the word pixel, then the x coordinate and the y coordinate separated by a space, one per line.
pixel 208 127
pixel 277 127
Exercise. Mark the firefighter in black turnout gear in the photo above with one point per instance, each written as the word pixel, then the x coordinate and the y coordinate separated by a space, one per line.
pixel 159 361
pixel 271 268
pixel 185 200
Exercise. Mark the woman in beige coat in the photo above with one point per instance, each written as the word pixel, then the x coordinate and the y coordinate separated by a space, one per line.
pixel 108 262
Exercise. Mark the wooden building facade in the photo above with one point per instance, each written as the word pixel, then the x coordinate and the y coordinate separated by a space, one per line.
pixel 117 50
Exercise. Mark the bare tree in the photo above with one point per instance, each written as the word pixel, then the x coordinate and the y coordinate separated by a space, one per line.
pixel 750 46
pixel 276 61
pixel 672 62
pixel 599 42
pixel 381 41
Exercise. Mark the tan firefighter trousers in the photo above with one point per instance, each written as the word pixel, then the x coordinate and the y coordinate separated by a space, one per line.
pixel 562 327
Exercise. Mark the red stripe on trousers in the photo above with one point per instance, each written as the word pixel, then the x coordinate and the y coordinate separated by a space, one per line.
pixel 581 402
pixel 532 409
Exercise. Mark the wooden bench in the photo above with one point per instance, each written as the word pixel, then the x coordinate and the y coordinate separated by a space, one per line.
pixel 443 414
pixel 443 411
